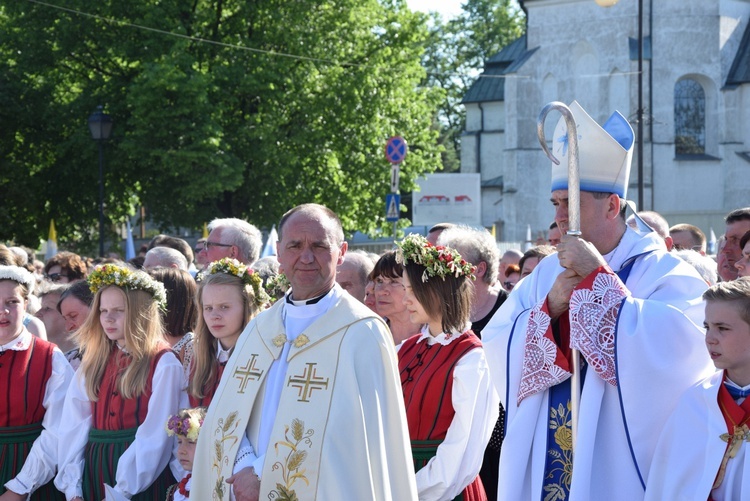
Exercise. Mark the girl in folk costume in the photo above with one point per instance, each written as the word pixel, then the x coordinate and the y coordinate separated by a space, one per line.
pixel 229 295
pixel 186 425
pixel 34 377
pixel 127 386
pixel 451 405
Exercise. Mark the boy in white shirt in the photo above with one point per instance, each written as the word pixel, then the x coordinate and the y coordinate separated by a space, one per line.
pixel 702 451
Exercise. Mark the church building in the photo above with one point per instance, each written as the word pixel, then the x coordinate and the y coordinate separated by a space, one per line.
pixel 695 95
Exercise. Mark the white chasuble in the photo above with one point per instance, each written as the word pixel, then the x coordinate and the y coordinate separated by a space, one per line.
pixel 340 428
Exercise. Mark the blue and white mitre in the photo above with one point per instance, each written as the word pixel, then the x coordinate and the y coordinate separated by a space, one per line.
pixel 604 153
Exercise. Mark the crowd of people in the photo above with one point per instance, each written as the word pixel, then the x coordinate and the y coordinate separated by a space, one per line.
pixel 614 364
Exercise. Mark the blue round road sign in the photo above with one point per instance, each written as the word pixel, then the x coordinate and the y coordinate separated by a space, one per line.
pixel 395 149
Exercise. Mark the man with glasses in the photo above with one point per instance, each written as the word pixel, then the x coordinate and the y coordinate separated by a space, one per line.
pixel 232 237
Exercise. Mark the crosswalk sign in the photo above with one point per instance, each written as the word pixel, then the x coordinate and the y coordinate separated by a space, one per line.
pixel 392 205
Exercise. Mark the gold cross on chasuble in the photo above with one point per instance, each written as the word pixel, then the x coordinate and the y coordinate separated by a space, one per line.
pixel 741 434
pixel 308 382
pixel 248 372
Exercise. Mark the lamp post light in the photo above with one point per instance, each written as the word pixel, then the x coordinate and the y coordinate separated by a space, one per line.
pixel 100 125
pixel 639 112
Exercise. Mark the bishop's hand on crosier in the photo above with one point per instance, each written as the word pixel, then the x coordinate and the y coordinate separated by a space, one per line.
pixel 558 298
pixel 578 255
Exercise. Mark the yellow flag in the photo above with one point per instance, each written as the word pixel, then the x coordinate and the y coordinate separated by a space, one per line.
pixel 51 241
pixel 205 230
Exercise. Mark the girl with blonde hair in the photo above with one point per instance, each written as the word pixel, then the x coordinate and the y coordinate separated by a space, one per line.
pixel 229 295
pixel 129 383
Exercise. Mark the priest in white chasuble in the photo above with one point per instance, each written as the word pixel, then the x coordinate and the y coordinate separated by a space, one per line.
pixel 632 310
pixel 309 406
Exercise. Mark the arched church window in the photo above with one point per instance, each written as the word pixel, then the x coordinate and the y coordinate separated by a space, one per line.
pixel 689 118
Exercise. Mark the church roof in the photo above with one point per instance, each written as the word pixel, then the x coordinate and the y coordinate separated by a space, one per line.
pixel 490 86
pixel 740 71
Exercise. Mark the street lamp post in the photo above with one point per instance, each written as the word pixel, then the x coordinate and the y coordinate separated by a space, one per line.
pixel 639 112
pixel 100 125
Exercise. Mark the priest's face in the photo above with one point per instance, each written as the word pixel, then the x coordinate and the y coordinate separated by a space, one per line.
pixel 728 340
pixel 309 253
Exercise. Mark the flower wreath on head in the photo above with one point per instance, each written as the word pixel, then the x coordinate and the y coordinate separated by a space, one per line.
pixel 17 274
pixel 248 276
pixel 111 274
pixel 438 261
pixel 185 424
pixel 277 286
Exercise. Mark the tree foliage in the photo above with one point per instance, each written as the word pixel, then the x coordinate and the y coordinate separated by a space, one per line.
pixel 456 53
pixel 235 128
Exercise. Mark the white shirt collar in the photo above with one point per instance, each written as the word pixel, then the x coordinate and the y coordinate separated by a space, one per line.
pixel 222 355
pixel 442 338
pixel 18 343
pixel 299 309
pixel 732 383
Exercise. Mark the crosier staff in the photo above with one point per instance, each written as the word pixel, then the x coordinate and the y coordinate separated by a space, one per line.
pixel 574 226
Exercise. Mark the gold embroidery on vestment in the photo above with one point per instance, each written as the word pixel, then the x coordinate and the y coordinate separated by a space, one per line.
pixel 741 434
pixel 561 422
pixel 307 382
pixel 248 372
pixel 225 430
pixel 291 465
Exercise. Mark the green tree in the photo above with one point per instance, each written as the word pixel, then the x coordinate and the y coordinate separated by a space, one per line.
pixel 291 103
pixel 456 53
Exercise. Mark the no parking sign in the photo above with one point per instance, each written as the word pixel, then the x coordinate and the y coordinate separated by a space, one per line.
pixel 396 149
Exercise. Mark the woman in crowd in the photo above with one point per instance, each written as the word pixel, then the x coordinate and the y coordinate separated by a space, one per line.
pixel 451 405
pixel 181 313
pixel 65 267
pixel 389 295
pixel 512 276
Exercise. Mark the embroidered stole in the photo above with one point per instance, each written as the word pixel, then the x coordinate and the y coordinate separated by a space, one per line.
pixel 292 460
pixel 558 463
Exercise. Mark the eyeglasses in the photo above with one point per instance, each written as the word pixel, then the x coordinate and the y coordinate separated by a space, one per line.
pixel 54 277
pixel 208 244
pixel 508 285
pixel 382 282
